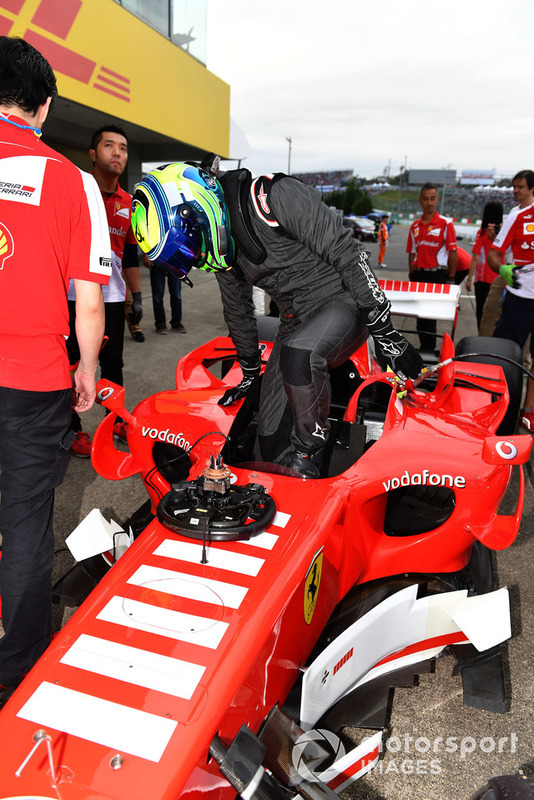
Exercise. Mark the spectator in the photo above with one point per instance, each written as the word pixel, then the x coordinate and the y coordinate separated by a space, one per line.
pixel 317 273
pixel 432 256
pixel 479 269
pixel 53 229
pixel 383 236
pixel 109 154
pixel 158 278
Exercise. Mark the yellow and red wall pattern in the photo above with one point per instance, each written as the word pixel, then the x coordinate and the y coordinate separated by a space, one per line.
pixel 108 59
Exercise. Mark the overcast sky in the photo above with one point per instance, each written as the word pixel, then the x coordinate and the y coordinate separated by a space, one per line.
pixel 366 84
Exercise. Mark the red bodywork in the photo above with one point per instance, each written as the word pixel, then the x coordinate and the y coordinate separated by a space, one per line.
pixel 228 628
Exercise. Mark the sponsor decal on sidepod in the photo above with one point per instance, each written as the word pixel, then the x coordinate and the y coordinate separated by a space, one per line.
pixel 424 478
pixel 166 436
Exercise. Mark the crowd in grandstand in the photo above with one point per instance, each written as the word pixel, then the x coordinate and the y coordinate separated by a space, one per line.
pixel 335 178
pixel 460 201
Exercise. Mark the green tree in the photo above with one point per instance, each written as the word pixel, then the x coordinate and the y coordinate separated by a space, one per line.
pixel 353 200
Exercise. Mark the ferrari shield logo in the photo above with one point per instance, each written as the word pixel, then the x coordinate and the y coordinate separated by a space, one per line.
pixel 311 586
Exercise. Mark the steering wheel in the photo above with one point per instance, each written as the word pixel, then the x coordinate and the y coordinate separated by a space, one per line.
pixel 199 513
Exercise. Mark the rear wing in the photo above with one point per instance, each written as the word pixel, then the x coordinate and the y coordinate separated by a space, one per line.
pixel 428 300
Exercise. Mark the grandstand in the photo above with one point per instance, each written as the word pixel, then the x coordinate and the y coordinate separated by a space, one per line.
pixel 325 181
pixel 460 202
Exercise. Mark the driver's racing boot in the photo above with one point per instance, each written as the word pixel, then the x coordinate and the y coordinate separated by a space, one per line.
pixel 308 463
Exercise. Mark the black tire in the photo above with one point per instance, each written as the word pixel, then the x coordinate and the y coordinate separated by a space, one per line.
pixel 494 347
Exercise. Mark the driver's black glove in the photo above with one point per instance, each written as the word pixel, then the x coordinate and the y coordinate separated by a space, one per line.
pixel 136 314
pixel 392 349
pixel 251 373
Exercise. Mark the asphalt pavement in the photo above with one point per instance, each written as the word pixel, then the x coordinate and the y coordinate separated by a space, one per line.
pixel 421 762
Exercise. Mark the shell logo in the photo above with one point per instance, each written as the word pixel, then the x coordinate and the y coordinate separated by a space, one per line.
pixel 7 246
pixel 528 227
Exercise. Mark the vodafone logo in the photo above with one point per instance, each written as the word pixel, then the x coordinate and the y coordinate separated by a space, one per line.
pixel 506 450
pixel 426 478
pixel 166 436
pixel 104 393
pixel 7 246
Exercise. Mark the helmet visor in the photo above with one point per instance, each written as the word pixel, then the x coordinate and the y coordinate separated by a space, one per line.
pixel 182 249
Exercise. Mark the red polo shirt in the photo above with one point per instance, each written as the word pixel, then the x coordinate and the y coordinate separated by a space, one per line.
pixel 481 247
pixel 52 229
pixel 431 242
pixel 119 211
pixel 517 235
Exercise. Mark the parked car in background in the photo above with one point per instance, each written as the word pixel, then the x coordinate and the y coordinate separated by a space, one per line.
pixel 363 228
pixel 376 217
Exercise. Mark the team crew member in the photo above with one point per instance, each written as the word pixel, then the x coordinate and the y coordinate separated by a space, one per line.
pixel 109 154
pixel 52 228
pixel 523 189
pixel 286 241
pixel 517 316
pixel 383 236
pixel 432 256
pixel 479 268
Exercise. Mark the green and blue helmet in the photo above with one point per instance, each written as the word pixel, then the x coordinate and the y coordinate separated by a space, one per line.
pixel 180 220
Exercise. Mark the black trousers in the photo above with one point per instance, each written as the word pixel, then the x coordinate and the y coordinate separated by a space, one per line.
pixel 296 394
pixel 34 452
pixel 110 357
pixel 426 328
pixel 517 320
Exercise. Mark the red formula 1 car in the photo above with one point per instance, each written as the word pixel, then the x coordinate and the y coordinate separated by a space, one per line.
pixel 256 613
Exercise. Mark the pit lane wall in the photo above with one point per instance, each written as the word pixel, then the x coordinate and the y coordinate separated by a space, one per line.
pixel 107 59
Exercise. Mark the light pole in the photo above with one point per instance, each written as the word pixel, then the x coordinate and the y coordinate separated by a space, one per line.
pixel 444 188
pixel 289 140
pixel 402 172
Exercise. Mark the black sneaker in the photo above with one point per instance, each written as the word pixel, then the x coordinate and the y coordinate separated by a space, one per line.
pixel 138 336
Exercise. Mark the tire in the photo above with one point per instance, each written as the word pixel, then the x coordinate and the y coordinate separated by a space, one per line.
pixel 494 346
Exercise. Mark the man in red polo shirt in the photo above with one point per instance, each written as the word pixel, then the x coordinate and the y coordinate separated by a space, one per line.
pixel 109 154
pixel 52 229
pixel 432 256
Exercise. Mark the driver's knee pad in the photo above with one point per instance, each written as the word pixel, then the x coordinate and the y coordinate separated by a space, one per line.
pixel 295 365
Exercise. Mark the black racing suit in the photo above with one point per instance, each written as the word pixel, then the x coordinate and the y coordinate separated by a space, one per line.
pixel 320 278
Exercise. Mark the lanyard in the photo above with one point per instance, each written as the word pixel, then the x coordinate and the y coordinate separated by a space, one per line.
pixel 37 131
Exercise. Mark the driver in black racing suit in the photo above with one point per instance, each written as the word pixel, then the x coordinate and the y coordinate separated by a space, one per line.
pixel 275 233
